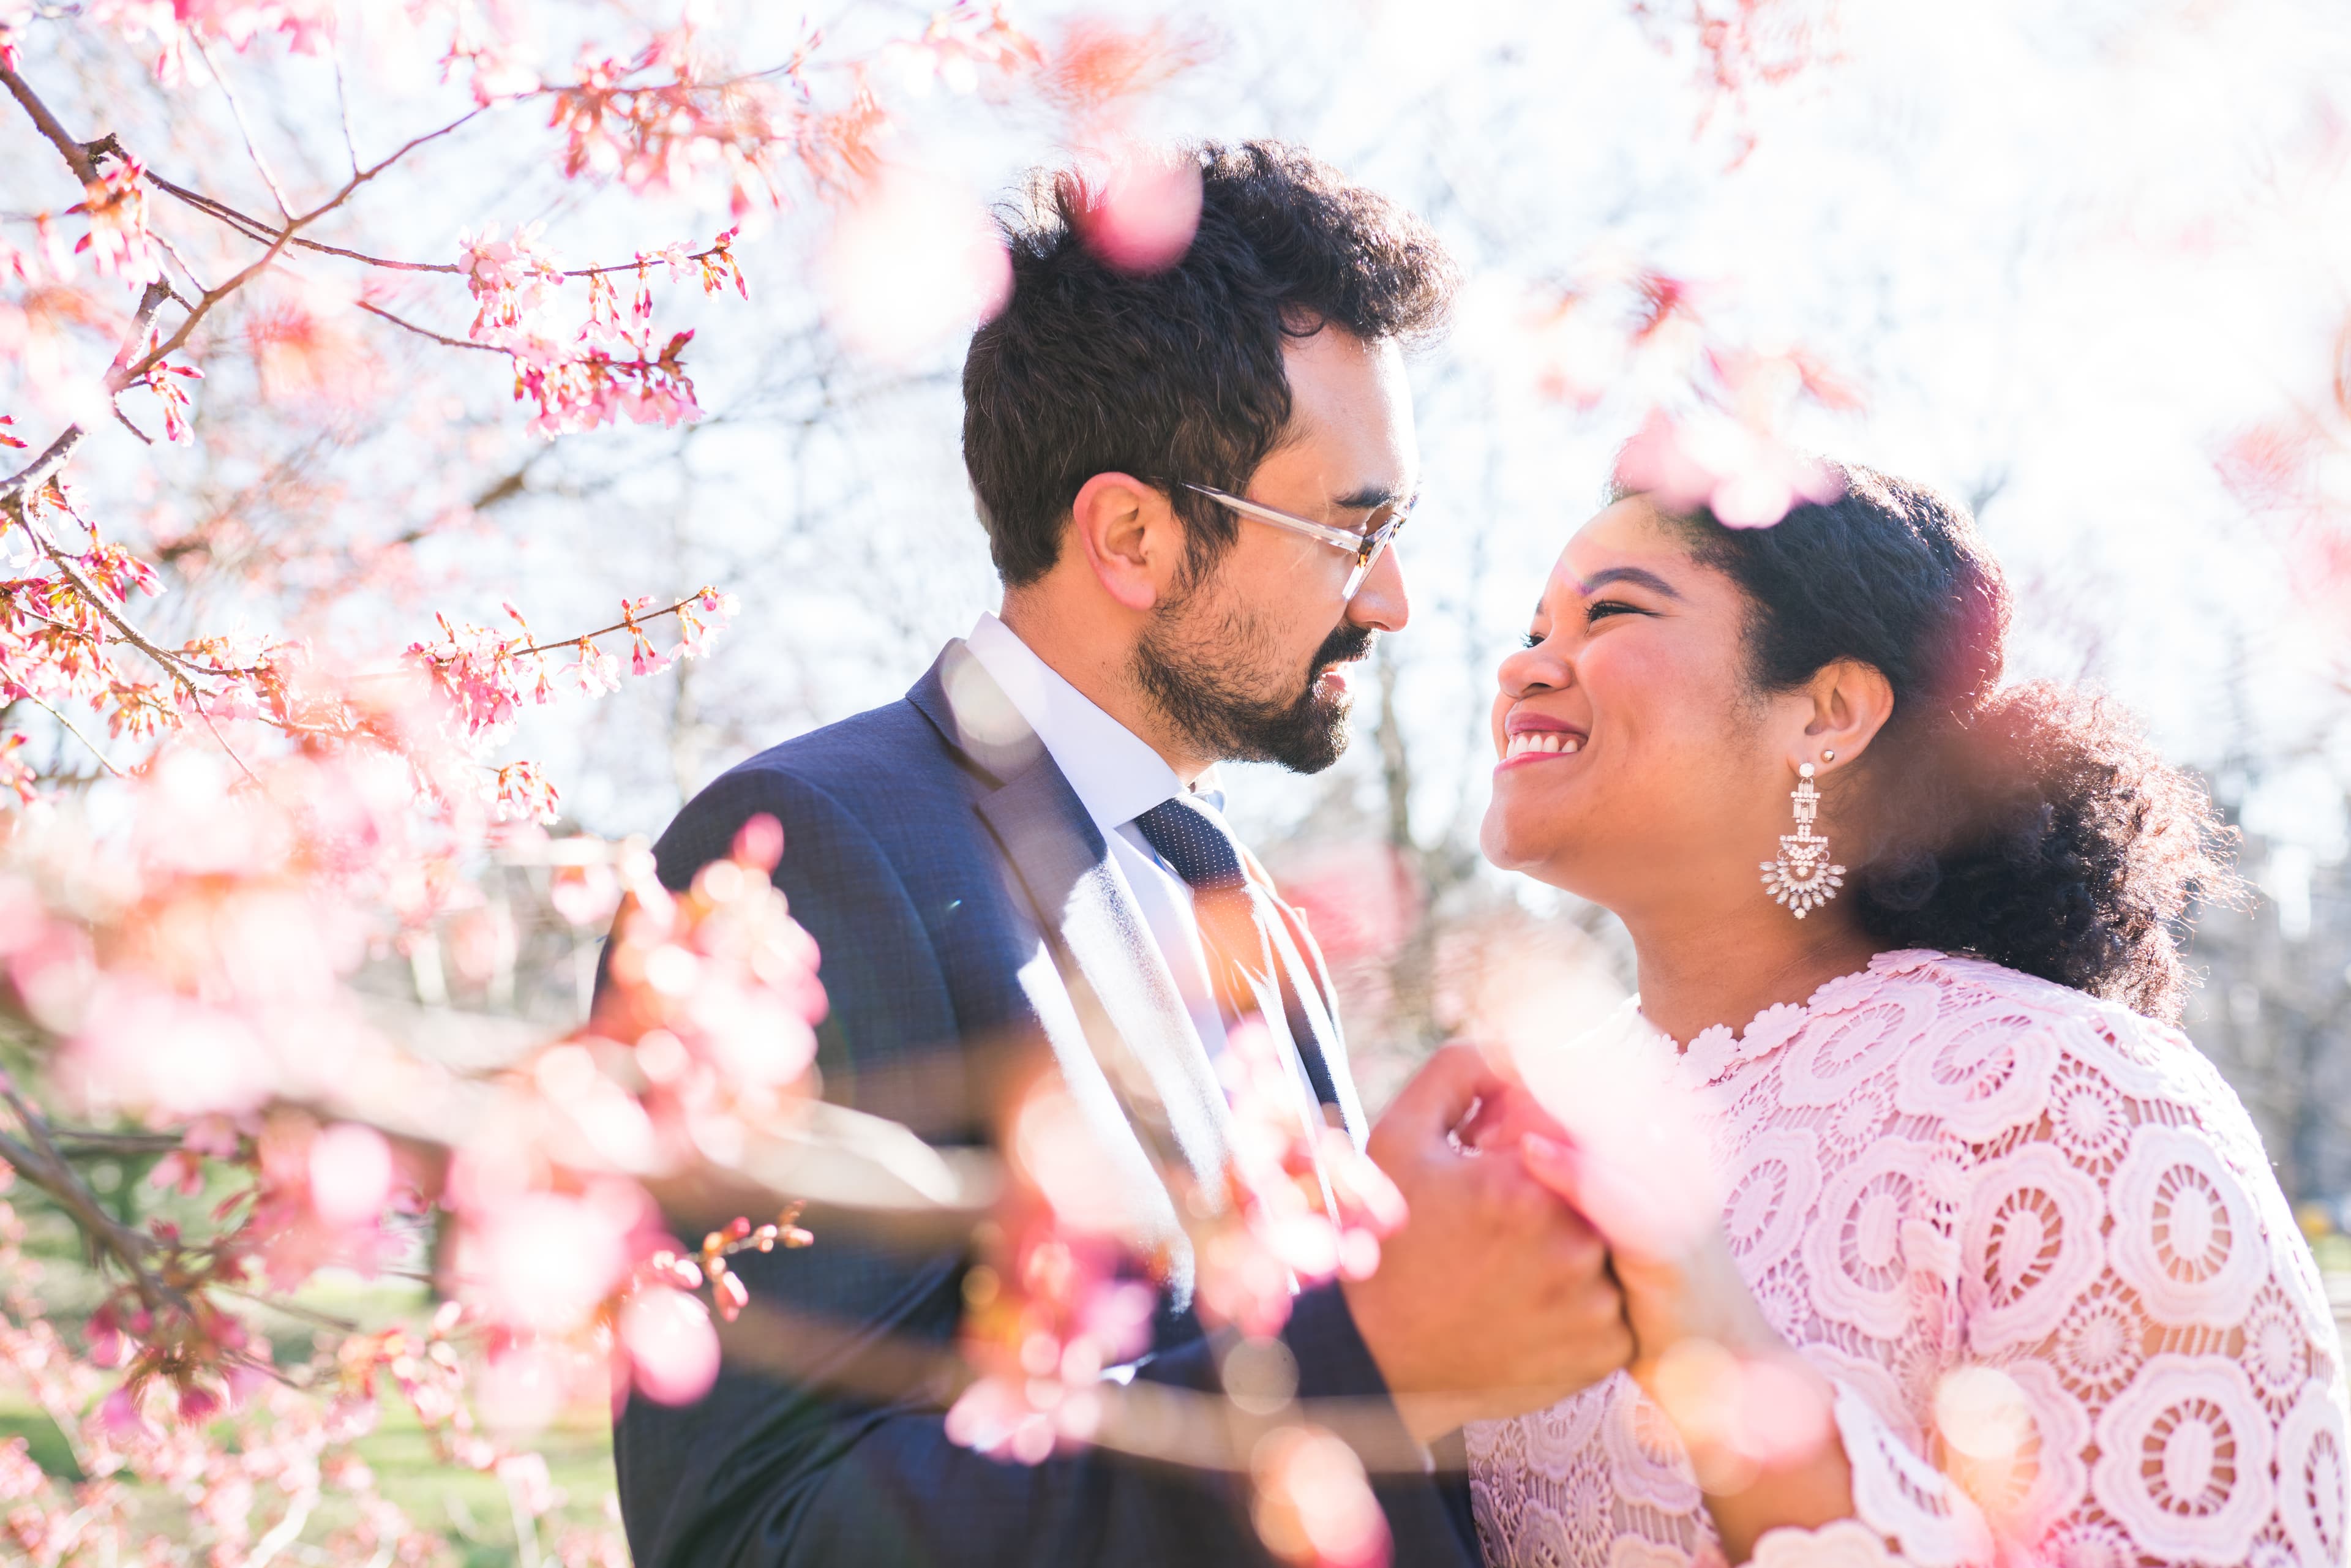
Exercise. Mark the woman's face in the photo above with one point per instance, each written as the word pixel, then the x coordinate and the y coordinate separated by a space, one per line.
pixel 1635 763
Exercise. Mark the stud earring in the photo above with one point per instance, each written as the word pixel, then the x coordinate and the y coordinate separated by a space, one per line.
pixel 1802 877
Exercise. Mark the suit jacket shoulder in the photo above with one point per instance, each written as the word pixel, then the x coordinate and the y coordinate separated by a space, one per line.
pixel 887 866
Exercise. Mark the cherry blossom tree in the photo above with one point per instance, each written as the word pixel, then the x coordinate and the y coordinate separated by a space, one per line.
pixel 235 833
pixel 299 301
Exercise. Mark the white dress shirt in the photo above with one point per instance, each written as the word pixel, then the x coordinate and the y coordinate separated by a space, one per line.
pixel 1117 777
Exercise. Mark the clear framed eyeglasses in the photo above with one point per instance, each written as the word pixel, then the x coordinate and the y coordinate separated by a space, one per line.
pixel 1365 547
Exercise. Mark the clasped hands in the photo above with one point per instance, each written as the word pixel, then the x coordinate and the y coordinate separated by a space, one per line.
pixel 1527 1270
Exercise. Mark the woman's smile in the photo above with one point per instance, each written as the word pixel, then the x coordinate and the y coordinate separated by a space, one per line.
pixel 1531 737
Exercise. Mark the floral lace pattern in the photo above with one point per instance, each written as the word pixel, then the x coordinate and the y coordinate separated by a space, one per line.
pixel 1941 1166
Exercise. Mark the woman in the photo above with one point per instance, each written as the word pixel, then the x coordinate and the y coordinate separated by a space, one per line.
pixel 1993 1267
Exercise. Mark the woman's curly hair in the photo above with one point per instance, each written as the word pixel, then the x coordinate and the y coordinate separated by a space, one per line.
pixel 2031 825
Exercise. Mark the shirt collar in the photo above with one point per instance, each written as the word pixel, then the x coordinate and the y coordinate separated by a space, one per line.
pixel 1113 772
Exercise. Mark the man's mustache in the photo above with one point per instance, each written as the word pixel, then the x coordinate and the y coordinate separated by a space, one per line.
pixel 1343 646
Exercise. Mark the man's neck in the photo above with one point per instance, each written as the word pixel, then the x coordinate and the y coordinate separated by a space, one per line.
pixel 1098 669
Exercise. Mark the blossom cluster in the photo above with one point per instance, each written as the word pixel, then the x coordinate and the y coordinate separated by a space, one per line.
pixel 1713 411
pixel 606 369
pixel 195 941
pixel 186 982
pixel 1059 1298
pixel 487 678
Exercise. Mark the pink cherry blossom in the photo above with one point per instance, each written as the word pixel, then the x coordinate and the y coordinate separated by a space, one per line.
pixel 672 1350
pixel 1145 210
pixel 116 205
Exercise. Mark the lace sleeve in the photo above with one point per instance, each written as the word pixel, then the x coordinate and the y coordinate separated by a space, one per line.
pixel 2148 1371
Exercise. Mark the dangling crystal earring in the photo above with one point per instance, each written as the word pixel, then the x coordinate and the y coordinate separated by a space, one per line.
pixel 1802 877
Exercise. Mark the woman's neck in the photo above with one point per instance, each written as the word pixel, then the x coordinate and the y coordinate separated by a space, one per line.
pixel 1695 974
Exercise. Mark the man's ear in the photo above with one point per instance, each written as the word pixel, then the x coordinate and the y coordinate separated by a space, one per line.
pixel 1129 537
pixel 1851 702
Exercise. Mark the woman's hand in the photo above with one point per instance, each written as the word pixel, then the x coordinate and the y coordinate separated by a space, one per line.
pixel 1755 1416
pixel 1682 1286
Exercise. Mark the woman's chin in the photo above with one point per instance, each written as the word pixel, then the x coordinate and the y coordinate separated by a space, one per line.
pixel 1516 838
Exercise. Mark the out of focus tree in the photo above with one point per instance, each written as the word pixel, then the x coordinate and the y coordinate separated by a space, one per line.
pixel 245 869
pixel 294 979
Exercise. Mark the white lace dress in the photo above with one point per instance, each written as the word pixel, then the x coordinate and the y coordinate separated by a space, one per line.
pixel 1939 1165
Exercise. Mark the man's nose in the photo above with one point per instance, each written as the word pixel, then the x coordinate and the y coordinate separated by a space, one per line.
pixel 1382 602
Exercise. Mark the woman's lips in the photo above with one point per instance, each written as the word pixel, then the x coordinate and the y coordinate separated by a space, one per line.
pixel 1531 737
pixel 1542 743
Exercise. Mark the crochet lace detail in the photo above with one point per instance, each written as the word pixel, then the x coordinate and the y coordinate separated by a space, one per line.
pixel 1939 1165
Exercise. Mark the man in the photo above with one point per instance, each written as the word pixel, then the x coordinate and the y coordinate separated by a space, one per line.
pixel 1190 480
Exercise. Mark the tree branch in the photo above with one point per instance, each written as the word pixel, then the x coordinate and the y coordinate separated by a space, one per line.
pixel 279 239
pixel 427 332
pixel 38 1161
pixel 68 726
pixel 255 229
pixel 236 112
pixel 76 156
pixel 87 1142
pixel 142 321
pixel 28 480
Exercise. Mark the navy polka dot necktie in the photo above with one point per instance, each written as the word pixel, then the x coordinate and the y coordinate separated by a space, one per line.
pixel 1236 920
pixel 1195 844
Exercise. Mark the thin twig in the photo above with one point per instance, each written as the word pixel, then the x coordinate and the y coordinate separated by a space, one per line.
pixel 253 229
pixel 236 112
pixel 608 631
pixel 88 1143
pixel 343 106
pixel 68 726
pixel 561 643
pixel 169 249
pixel 196 701
pixel 293 1309
pixel 278 241
pixel 640 262
pixel 427 332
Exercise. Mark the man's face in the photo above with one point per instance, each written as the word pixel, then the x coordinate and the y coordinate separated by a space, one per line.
pixel 1247 659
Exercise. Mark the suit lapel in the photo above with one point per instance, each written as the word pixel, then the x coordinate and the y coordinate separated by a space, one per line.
pixel 1124 1020
pixel 1310 1004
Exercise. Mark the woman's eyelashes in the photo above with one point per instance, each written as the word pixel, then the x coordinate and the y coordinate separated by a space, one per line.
pixel 1597 610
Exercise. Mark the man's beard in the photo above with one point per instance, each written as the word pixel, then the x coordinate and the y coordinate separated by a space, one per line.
pixel 1198 685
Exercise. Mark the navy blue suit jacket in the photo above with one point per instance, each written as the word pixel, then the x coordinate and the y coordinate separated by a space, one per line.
pixel 966 907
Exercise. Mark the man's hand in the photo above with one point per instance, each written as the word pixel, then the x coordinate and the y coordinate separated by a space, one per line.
pixel 1495 1298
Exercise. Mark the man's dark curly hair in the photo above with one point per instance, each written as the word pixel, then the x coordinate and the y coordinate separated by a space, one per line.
pixel 2031 824
pixel 1176 375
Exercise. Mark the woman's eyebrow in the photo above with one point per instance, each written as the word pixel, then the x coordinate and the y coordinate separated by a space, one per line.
pixel 1638 576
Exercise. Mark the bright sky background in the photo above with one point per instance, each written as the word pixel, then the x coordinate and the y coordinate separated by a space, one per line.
pixel 2063 251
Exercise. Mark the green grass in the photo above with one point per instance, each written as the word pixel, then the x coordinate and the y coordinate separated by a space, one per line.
pixel 468 1506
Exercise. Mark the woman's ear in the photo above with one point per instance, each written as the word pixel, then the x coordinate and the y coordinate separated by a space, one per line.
pixel 1129 537
pixel 1851 702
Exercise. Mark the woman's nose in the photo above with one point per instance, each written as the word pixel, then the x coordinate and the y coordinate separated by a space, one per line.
pixel 1531 670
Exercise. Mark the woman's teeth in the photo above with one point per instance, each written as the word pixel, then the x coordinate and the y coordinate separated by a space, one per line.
pixel 1549 741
